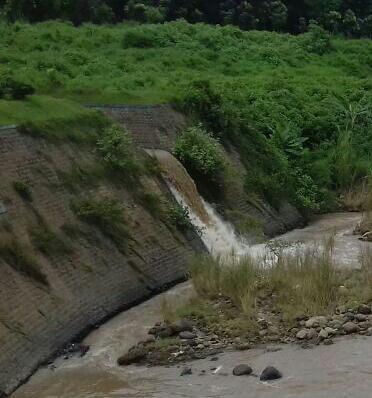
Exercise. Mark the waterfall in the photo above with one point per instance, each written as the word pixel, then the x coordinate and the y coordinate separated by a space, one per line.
pixel 217 234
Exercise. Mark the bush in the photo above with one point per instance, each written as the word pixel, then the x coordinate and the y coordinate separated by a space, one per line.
pixel 200 153
pixel 317 40
pixel 14 89
pixel 116 147
pixel 48 242
pixel 179 216
pixel 107 215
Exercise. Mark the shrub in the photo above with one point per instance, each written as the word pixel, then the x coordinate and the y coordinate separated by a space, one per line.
pixel 116 147
pixel 14 89
pixel 48 242
pixel 200 153
pixel 23 190
pixel 179 216
pixel 107 215
pixel 317 40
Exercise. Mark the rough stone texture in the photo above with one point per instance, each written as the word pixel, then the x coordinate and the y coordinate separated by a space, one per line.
pixel 156 127
pixel 90 284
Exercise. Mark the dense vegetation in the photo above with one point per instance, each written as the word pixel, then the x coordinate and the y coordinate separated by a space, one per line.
pixel 350 17
pixel 297 107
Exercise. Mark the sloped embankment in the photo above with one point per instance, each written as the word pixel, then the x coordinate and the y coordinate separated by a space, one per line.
pixel 66 261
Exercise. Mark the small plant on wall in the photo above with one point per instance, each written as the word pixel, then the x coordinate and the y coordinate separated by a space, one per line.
pixel 23 190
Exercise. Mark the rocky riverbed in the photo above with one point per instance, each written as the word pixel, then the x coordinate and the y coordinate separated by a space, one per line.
pixel 342 369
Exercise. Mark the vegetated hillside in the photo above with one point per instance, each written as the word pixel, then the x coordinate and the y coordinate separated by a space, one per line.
pixel 297 107
pixel 349 17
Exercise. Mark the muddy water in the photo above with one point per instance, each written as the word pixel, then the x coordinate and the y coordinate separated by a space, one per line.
pixel 341 370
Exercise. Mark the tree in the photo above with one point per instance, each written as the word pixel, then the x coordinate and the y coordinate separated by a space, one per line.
pixel 279 15
pixel 350 23
pixel 332 21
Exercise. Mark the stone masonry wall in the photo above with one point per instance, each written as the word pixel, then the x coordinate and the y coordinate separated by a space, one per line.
pixel 92 282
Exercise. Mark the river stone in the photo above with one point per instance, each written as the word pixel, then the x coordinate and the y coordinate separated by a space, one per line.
pixel 351 327
pixel 241 370
pixel 312 334
pixel 302 334
pixel 369 332
pixel 361 317
pixel 131 357
pixel 316 321
pixel 183 325
pixel 364 309
pixel 187 335
pixel 323 334
pixel 186 372
pixel 166 332
pixel 270 373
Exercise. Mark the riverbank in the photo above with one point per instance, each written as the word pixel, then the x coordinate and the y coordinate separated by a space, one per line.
pixel 98 375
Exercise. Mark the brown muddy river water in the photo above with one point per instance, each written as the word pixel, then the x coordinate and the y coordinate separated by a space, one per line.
pixel 340 370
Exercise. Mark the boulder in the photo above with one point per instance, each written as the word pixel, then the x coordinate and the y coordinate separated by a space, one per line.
pixel 302 334
pixel 182 325
pixel 364 309
pixel 270 373
pixel 242 370
pixel 361 317
pixel 186 371
pixel 187 335
pixel 132 356
pixel 351 327
pixel 316 321
pixel 323 334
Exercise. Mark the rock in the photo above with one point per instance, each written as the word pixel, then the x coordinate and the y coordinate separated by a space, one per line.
pixel 273 330
pixel 273 349
pixel 336 324
pixel 351 327
pixel 302 334
pixel 214 359
pixel 150 339
pixel 187 335
pixel 241 370
pixel 263 332
pixel 183 325
pixel 328 342
pixel 186 372
pixel 131 357
pixel 323 334
pixel 166 332
pixel 312 334
pixel 316 321
pixel 270 373
pixel 330 331
pixel 361 317
pixel 369 332
pixel 364 309
pixel 364 325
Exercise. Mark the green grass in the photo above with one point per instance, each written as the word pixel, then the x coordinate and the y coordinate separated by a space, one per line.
pixel 38 109
pixel 306 282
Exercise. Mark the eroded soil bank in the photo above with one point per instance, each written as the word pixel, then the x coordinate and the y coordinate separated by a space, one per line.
pixel 343 369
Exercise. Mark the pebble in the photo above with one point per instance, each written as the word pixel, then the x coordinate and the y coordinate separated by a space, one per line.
pixel 270 373
pixel 241 370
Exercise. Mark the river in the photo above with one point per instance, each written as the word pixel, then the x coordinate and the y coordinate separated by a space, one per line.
pixel 341 370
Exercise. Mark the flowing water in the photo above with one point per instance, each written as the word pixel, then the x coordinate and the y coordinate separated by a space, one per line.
pixel 322 372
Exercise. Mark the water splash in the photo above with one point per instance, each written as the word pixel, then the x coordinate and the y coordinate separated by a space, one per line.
pixel 217 234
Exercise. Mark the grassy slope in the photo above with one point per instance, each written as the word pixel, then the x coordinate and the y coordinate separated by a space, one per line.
pixel 90 64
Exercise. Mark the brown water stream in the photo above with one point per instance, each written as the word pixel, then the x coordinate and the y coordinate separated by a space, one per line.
pixel 341 370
